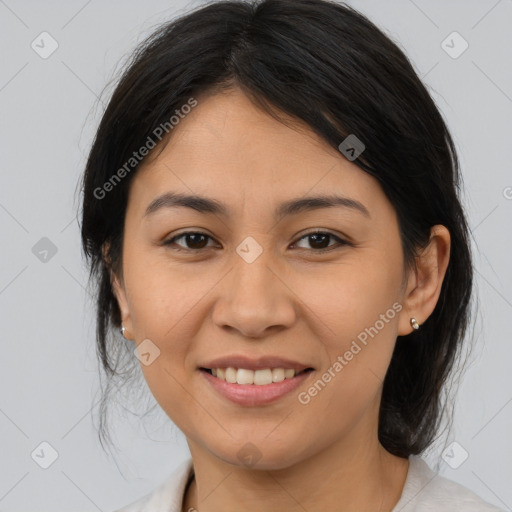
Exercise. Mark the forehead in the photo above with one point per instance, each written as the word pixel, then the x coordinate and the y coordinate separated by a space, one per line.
pixel 230 148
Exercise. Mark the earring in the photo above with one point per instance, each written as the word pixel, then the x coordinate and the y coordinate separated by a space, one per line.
pixel 123 329
pixel 415 325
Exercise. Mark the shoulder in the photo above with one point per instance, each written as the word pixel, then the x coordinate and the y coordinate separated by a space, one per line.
pixel 426 491
pixel 168 496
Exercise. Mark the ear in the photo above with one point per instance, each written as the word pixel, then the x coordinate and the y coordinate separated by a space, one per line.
pixel 424 283
pixel 119 292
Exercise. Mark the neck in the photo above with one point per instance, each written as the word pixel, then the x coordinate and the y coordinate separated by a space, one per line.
pixel 349 476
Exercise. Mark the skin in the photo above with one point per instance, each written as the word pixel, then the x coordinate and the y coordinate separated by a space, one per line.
pixel 292 301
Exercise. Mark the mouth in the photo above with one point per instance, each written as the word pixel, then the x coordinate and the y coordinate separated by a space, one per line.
pixel 260 377
pixel 255 388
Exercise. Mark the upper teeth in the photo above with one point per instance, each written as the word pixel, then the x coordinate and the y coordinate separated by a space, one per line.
pixel 259 377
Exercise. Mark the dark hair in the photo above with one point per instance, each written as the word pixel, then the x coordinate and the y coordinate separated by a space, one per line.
pixel 326 64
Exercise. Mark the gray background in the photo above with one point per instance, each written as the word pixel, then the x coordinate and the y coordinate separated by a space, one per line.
pixel 49 111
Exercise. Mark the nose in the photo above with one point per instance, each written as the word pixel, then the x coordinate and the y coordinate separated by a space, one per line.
pixel 254 299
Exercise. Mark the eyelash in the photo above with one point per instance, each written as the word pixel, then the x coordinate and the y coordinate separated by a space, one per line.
pixel 340 241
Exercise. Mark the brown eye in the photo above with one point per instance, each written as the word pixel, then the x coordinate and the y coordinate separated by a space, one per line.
pixel 193 240
pixel 319 241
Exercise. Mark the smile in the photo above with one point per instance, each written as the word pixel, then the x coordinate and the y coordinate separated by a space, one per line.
pixel 254 388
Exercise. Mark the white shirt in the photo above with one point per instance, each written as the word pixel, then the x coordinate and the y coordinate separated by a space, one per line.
pixel 424 491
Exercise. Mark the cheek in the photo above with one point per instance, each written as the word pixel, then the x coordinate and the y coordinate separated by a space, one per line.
pixel 359 348
pixel 160 294
pixel 351 296
pixel 159 302
pixel 357 321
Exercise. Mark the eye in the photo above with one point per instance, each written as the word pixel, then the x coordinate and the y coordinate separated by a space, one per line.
pixel 194 240
pixel 318 240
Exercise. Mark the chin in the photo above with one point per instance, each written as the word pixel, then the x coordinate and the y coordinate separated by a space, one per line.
pixel 260 455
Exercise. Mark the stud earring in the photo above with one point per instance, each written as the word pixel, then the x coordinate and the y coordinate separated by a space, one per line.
pixel 123 330
pixel 414 324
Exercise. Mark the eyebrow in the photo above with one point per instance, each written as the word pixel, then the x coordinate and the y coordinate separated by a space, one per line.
pixel 207 205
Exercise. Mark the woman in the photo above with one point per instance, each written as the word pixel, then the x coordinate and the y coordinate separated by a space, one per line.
pixel 270 211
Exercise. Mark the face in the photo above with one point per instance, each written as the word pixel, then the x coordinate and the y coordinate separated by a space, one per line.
pixel 245 281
